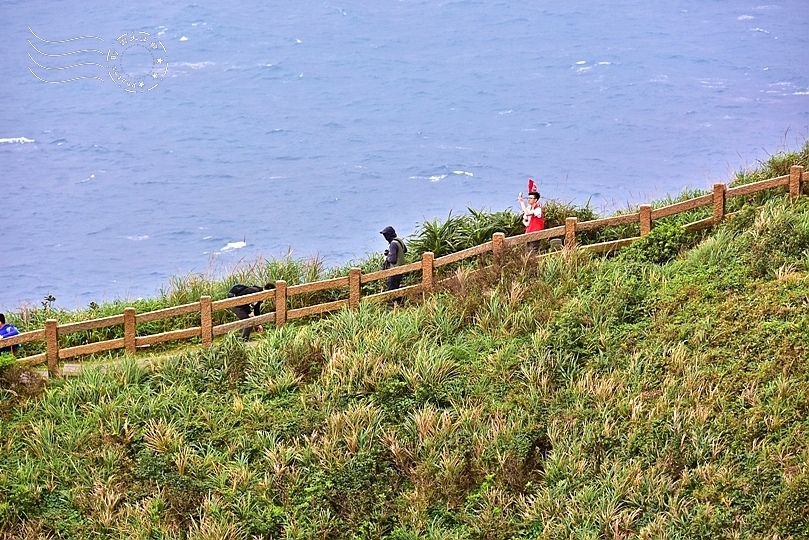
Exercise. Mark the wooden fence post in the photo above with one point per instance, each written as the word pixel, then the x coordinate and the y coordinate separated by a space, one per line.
pixel 718 202
pixel 427 271
pixel 206 320
pixel 645 211
pixel 129 330
pixel 52 347
pixel 498 248
pixel 570 231
pixel 354 290
pixel 280 303
pixel 795 177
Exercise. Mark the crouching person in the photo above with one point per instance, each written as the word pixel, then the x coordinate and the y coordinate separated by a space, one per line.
pixel 247 310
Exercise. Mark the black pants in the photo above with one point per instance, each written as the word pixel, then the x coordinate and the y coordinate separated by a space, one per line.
pixel 393 282
pixel 243 312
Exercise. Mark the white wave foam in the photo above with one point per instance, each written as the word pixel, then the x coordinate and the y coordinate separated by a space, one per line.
pixel 234 245
pixel 137 237
pixel 194 65
pixel 15 140
pixel 759 30
pixel 437 177
pixel 463 172
pixel 712 83
pixel 183 38
pixel 744 17
pixel 781 88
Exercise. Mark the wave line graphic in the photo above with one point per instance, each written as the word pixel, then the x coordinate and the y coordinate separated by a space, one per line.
pixel 66 67
pixel 62 55
pixel 67 53
pixel 64 40
pixel 65 80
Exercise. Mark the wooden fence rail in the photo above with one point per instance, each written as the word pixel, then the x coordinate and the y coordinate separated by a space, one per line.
pixel 352 283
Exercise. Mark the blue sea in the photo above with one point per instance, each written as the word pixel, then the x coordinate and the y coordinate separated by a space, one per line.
pixel 271 128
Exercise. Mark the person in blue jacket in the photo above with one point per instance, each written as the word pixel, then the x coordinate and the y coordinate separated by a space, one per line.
pixel 7 330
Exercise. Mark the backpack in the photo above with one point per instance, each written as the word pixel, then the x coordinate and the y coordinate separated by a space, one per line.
pixel 237 290
pixel 402 251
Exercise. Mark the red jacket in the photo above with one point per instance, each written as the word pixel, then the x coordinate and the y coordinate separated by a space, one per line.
pixel 537 220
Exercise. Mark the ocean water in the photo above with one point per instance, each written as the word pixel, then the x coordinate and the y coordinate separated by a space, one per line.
pixel 269 128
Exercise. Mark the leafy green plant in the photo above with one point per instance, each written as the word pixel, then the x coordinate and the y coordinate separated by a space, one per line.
pixel 6 360
pixel 778 238
pixel 556 212
pixel 441 238
pixel 663 243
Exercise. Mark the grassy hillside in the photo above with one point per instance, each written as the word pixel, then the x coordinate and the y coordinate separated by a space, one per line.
pixel 661 393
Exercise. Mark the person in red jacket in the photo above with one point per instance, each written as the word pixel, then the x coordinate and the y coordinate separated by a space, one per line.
pixel 532 216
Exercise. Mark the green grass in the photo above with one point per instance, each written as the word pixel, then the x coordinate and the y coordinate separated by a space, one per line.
pixel 574 397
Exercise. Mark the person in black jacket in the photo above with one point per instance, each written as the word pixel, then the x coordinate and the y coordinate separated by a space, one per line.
pixel 394 256
pixel 247 310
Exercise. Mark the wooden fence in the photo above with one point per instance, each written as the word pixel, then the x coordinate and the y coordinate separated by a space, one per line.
pixel 205 307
